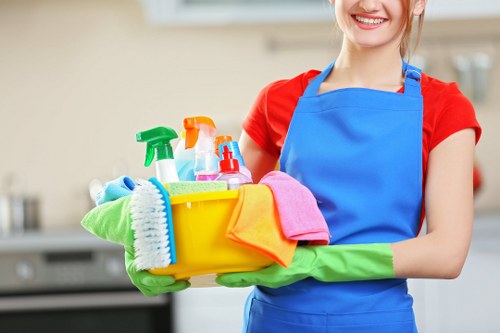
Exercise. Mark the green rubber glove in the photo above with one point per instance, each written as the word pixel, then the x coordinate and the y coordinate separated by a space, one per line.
pixel 149 284
pixel 334 263
pixel 112 222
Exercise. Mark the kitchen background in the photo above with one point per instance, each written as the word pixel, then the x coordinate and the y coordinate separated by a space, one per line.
pixel 79 78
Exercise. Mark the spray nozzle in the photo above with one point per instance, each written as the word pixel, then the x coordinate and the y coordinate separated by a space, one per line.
pixel 158 141
pixel 193 125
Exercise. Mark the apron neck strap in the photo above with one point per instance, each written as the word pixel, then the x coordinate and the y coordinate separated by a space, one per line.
pixel 313 87
pixel 412 80
pixel 413 76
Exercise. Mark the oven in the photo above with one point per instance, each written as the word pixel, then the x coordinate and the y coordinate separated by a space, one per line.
pixel 73 282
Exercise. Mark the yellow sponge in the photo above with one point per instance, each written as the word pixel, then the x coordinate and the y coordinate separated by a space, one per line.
pixel 189 187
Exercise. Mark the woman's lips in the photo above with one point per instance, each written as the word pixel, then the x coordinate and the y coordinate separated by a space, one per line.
pixel 368 23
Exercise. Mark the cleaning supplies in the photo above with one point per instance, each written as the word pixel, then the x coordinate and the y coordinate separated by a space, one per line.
pixel 158 143
pixel 184 159
pixel 113 222
pixel 151 214
pixel 235 149
pixel 200 133
pixel 230 171
pixel 203 250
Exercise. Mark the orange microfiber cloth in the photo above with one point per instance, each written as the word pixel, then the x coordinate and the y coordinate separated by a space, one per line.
pixel 255 223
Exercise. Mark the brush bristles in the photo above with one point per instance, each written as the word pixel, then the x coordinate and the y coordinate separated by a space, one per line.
pixel 149 222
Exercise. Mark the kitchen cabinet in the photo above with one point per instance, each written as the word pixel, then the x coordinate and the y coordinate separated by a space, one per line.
pixel 220 12
pixel 209 310
pixel 469 303
pixel 462 9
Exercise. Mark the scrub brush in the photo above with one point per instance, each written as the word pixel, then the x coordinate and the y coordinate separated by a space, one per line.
pixel 151 214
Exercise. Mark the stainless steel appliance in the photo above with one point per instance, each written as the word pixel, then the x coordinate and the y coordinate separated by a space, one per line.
pixel 72 282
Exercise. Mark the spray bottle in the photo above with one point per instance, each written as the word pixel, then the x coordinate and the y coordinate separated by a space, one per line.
pixel 184 160
pixel 230 170
pixel 200 133
pixel 158 143
pixel 218 140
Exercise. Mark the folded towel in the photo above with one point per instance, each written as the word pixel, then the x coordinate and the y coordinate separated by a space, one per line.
pixel 300 216
pixel 115 189
pixel 255 223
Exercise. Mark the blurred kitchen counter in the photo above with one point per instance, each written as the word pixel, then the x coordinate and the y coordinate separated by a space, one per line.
pixel 470 302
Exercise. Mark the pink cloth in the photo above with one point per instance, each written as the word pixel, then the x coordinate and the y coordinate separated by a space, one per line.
pixel 300 216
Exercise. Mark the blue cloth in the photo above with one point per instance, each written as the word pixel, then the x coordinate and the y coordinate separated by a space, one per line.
pixel 360 153
pixel 115 189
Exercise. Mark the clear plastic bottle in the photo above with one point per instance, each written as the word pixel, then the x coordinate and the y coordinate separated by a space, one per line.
pixel 235 149
pixel 184 160
pixel 230 171
pixel 200 133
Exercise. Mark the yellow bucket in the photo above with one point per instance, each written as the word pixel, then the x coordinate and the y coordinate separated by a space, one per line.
pixel 200 221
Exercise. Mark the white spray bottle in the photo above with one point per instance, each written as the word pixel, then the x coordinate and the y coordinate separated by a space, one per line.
pixel 158 143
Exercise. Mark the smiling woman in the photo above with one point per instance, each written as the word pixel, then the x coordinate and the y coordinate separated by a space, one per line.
pixel 403 149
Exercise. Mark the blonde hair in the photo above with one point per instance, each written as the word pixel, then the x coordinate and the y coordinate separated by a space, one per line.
pixel 406 26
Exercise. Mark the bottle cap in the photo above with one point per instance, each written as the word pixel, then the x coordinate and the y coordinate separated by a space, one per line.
pixel 228 163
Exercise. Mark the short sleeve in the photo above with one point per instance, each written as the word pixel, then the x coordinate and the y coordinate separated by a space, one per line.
pixel 256 124
pixel 457 113
pixel 269 118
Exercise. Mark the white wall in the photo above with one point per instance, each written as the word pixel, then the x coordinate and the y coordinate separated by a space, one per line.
pixel 79 78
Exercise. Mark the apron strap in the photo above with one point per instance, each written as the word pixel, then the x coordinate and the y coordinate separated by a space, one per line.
pixel 413 77
pixel 412 80
pixel 313 86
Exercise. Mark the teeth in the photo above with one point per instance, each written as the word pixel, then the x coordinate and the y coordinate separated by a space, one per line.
pixel 368 20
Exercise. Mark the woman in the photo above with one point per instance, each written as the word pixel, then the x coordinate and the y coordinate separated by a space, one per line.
pixel 377 142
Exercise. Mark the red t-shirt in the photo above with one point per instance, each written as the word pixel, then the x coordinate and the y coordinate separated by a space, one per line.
pixel 446 111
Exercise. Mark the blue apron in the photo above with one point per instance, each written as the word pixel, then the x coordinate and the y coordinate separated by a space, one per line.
pixel 360 152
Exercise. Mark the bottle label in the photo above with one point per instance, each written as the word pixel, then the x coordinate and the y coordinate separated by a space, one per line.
pixel 206 177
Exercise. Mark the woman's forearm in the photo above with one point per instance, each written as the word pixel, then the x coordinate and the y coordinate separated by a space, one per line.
pixel 441 253
pixel 430 256
pixel 257 160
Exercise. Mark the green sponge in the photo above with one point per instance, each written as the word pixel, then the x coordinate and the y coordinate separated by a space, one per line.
pixel 189 187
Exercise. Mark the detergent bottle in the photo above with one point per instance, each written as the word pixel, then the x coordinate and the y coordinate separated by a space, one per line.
pixel 235 149
pixel 184 159
pixel 158 144
pixel 230 170
pixel 200 133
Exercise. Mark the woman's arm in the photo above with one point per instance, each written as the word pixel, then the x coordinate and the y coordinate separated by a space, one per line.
pixel 441 253
pixel 257 160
